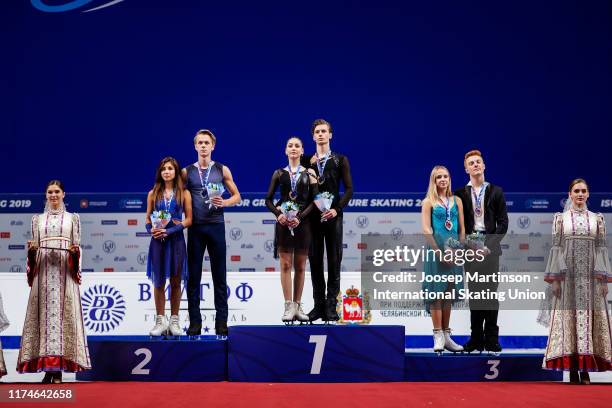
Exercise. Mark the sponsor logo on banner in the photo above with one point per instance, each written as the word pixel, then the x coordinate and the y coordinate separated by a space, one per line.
pixel 97 258
pixel 120 234
pixel 96 234
pixel 353 307
pixel 362 221
pixel 16 268
pixel 258 234
pixel 235 234
pixel 143 234
pixel 387 221
pixel 258 258
pixel 270 269
pixel 535 259
pixel 524 247
pixel 523 222
pixel 350 234
pixel 537 203
pixel 132 246
pixel 131 204
pixel 235 258
pixel 344 246
pixel 607 203
pixel 16 223
pixel 397 233
pixel 5 259
pixel 269 245
pixel 132 222
pixel 267 222
pixel 103 308
pixel 246 246
pixel 109 246
pixel 247 222
pixel 86 270
pixel 142 258
pixel 120 259
pixel 86 247
pixel 109 269
pixel 16 247
pixel 99 204
pixel 362 245
pixel 109 222
pixel 246 269
pixel 5 235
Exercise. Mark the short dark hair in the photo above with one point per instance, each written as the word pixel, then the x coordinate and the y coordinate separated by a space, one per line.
pixel 318 122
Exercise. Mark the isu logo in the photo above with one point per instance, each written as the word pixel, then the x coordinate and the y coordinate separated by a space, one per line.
pixel 235 233
pixel 523 222
pixel 103 308
pixel 70 5
pixel 362 221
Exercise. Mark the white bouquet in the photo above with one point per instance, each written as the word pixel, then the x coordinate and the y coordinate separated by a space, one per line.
pixel 214 190
pixel 290 209
pixel 323 201
pixel 160 219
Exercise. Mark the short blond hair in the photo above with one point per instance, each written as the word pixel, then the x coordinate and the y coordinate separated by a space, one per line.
pixel 205 132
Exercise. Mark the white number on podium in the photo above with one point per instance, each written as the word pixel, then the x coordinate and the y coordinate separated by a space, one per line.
pixel 139 369
pixel 317 358
pixel 494 372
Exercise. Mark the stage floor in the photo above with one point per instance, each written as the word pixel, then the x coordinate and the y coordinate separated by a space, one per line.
pixel 10 357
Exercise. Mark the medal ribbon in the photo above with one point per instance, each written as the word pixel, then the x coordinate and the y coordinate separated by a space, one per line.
pixel 478 198
pixel 446 206
pixel 294 176
pixel 204 181
pixel 320 166
pixel 168 201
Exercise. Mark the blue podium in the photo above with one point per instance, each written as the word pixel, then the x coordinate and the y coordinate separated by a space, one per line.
pixel 318 353
pixel 141 359
pixel 477 367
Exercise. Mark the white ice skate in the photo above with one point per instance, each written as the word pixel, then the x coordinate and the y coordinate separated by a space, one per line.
pixel 174 329
pixel 289 315
pixel 300 316
pixel 438 337
pixel 449 343
pixel 161 326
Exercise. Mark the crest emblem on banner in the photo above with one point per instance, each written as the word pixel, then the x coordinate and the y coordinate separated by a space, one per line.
pixel 353 307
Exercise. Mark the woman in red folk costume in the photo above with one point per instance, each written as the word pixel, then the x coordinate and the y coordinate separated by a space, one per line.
pixel 578 270
pixel 53 338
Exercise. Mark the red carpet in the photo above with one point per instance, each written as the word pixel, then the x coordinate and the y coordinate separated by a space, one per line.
pixel 371 395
